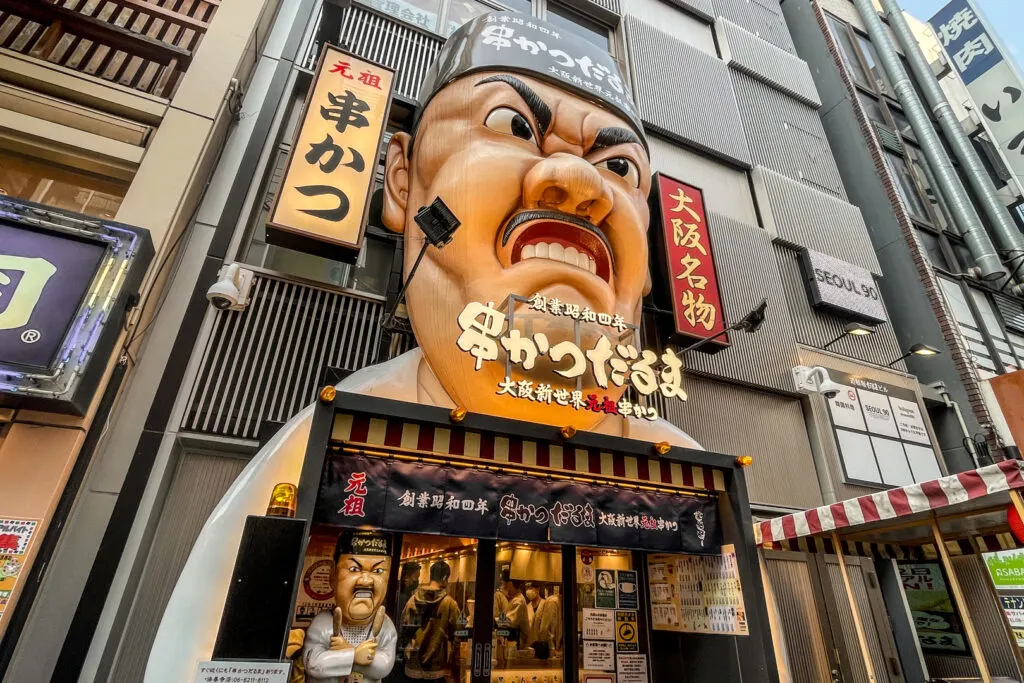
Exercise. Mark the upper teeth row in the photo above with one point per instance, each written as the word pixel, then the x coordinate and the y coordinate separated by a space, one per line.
pixel 556 252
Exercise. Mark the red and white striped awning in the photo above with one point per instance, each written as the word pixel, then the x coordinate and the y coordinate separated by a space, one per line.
pixel 893 503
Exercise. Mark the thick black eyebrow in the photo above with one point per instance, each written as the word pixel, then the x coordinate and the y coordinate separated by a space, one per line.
pixel 609 137
pixel 541 111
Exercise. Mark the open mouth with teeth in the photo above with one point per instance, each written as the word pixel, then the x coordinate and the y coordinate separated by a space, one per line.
pixel 362 594
pixel 578 245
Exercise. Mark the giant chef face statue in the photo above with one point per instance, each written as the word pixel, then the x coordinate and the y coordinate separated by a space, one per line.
pixel 551 188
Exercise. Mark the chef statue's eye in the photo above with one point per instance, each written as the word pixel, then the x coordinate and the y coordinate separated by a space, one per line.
pixel 510 122
pixel 378 570
pixel 621 166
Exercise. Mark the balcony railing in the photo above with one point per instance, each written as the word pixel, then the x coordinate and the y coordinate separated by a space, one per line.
pixel 378 38
pixel 264 363
pixel 145 45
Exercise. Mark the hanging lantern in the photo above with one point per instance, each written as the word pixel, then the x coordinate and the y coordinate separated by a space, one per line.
pixel 1016 523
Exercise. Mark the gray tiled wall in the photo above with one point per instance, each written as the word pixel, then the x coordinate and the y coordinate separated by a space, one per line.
pixel 746 52
pixel 685 93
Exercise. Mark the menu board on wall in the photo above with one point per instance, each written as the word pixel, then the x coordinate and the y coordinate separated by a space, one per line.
pixel 697 593
pixel 1006 569
pixel 935 617
pixel 880 433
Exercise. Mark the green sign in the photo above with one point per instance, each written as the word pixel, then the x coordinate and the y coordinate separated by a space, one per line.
pixel 1006 568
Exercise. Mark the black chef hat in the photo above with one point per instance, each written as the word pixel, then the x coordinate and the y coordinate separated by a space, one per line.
pixel 506 41
pixel 362 542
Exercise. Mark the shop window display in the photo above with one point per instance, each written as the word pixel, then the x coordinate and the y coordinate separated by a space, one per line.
pixel 527 644
pixel 435 602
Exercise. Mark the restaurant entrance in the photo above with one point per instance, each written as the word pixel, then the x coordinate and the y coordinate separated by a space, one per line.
pixel 452 591
pixel 431 545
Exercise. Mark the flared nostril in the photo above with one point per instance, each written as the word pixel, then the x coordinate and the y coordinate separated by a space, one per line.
pixel 554 195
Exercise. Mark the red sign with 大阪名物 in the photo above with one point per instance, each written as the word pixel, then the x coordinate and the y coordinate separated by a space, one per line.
pixel 696 301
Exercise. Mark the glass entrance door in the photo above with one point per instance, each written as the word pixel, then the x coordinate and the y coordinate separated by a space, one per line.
pixel 527 645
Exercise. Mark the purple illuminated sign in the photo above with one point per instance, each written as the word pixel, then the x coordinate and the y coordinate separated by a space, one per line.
pixel 44 278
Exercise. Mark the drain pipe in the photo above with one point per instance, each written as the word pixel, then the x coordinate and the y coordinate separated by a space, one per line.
pixel 1009 238
pixel 989 266
pixel 940 387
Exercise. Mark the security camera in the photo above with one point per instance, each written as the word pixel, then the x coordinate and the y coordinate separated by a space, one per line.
pixel 231 290
pixel 829 389
pixel 815 381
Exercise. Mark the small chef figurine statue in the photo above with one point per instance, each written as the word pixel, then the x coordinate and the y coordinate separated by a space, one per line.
pixel 356 643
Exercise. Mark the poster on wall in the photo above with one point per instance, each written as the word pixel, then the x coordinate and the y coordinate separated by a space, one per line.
pixel 938 625
pixel 15 540
pixel 880 432
pixel 1006 570
pixel 697 594
pixel 315 593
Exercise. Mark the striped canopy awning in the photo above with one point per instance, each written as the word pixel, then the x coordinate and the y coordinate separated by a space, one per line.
pixel 893 503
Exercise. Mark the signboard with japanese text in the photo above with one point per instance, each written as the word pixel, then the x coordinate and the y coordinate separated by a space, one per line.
pixel 43 279
pixel 15 540
pixel 1006 570
pixel 974 51
pixel 689 260
pixel 415 497
pixel 691 594
pixel 324 195
pixel 935 617
pixel 236 671
pixel 561 371
pixel 880 432
pixel 66 284
pixel 842 288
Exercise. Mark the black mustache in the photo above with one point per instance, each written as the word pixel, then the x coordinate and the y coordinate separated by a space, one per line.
pixel 527 216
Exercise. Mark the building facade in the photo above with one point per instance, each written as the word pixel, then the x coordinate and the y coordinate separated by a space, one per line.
pixel 796 213
pixel 932 284
pixel 113 116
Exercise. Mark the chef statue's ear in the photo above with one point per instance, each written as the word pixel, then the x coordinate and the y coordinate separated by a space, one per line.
pixel 396 182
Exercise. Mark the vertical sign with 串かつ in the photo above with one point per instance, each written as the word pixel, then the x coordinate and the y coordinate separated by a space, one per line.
pixel 324 196
pixel 44 278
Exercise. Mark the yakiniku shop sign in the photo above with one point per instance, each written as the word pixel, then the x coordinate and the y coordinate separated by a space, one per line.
pixel 405 496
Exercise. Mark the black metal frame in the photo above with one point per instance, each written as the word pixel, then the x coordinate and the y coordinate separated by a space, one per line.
pixel 753 654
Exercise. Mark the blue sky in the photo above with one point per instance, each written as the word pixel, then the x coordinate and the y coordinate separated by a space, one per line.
pixel 1006 16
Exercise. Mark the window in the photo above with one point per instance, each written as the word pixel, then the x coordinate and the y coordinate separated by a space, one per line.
pixel 436 595
pixel 573 22
pixel 871 59
pixel 36 180
pixel 926 182
pixel 902 124
pixel 905 186
pixel 849 54
pixel 873 109
pixel 461 11
pixel 444 16
pixel 528 639
pixel 933 247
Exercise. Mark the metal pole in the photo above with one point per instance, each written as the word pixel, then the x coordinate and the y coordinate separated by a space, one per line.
pixel 1010 239
pixel 989 265
pixel 858 625
pixel 965 614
